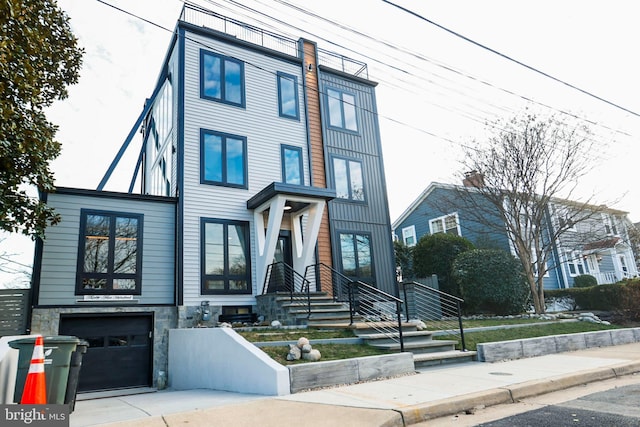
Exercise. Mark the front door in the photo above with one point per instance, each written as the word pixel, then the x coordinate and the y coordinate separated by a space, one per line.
pixel 281 277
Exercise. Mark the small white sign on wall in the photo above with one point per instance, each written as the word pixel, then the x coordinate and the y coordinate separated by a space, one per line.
pixel 108 297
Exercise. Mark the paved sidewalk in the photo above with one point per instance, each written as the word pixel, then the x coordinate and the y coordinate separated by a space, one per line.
pixel 406 400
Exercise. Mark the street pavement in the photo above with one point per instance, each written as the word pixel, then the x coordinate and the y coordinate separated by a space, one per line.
pixel 406 400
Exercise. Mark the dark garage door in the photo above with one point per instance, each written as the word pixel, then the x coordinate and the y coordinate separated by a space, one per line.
pixel 119 353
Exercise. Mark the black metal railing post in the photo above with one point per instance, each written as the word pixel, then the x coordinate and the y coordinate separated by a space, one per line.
pixel 308 297
pixel 351 303
pixel 406 301
pixel 463 346
pixel 398 312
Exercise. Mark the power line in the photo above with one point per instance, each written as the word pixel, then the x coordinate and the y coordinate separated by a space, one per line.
pixel 508 58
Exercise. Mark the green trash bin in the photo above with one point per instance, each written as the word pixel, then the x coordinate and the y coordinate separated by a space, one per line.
pixel 57 358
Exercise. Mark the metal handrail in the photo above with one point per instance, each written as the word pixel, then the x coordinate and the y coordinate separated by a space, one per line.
pixel 362 295
pixel 289 285
pixel 438 310
pixel 338 280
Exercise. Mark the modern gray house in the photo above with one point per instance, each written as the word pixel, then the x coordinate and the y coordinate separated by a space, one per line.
pixel 256 149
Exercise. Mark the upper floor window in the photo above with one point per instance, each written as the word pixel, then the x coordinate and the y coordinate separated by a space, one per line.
pixel 566 219
pixel 409 235
pixel 342 110
pixel 225 257
pixel 109 253
pixel 221 78
pixel 288 96
pixel 445 224
pixel 223 159
pixel 291 165
pixel 609 224
pixel 349 181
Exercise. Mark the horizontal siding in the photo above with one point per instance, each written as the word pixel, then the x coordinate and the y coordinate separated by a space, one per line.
pixel 60 249
pixel 264 130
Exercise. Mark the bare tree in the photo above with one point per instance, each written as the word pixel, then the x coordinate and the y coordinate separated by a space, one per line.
pixel 527 167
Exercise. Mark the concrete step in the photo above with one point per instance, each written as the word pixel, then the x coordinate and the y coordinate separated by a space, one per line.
pixel 320 310
pixel 368 328
pixel 408 336
pixel 420 347
pixel 315 304
pixel 423 360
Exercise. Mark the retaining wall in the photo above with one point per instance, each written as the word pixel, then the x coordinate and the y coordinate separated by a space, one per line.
pixel 533 347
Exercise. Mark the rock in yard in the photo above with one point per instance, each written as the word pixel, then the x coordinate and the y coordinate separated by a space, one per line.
pixel 312 356
pixel 276 324
pixel 302 341
pixel 306 348
pixel 294 352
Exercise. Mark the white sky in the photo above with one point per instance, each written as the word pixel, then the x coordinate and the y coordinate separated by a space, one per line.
pixel 430 82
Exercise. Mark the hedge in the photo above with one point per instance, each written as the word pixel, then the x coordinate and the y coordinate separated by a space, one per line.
pixel 622 297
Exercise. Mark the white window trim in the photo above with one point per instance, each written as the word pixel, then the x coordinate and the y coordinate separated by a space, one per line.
pixel 409 232
pixel 575 258
pixel 442 220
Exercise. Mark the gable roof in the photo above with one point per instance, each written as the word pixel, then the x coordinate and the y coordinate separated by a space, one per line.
pixel 421 198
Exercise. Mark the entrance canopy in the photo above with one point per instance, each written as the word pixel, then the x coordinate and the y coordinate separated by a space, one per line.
pixel 300 206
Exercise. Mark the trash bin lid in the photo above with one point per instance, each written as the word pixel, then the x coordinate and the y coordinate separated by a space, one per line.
pixel 57 339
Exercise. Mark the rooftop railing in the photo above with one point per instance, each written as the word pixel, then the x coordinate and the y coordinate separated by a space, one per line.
pixel 202 17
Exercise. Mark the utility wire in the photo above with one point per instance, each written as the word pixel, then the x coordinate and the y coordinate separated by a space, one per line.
pixel 417 56
pixel 508 58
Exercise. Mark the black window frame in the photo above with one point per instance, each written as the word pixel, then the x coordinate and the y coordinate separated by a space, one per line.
pixel 366 279
pixel 109 275
pixel 281 113
pixel 223 59
pixel 226 276
pixel 245 163
pixel 347 161
pixel 343 126
pixel 283 148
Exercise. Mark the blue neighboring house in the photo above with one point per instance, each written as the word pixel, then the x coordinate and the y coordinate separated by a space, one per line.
pixel 598 246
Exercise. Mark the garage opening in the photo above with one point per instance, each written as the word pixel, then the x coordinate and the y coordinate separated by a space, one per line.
pixel 120 349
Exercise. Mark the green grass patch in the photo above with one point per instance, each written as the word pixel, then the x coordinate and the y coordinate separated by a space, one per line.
pixel 468 323
pixel 472 339
pixel 273 334
pixel 328 352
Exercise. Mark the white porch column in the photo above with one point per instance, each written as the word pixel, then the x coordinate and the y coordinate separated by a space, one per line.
pixel 304 239
pixel 267 241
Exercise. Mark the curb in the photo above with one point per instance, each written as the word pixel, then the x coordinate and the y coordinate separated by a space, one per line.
pixel 512 394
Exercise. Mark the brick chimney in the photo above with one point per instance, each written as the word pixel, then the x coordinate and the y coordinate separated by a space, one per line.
pixel 473 179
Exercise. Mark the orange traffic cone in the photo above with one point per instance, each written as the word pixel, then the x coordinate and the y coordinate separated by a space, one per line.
pixel 35 392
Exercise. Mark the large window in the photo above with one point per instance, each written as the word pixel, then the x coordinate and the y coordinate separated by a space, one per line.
pixel 356 257
pixel 342 110
pixel 291 165
pixel 225 257
pixel 445 224
pixel 223 159
pixel 109 253
pixel 349 182
pixel 288 96
pixel 221 78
